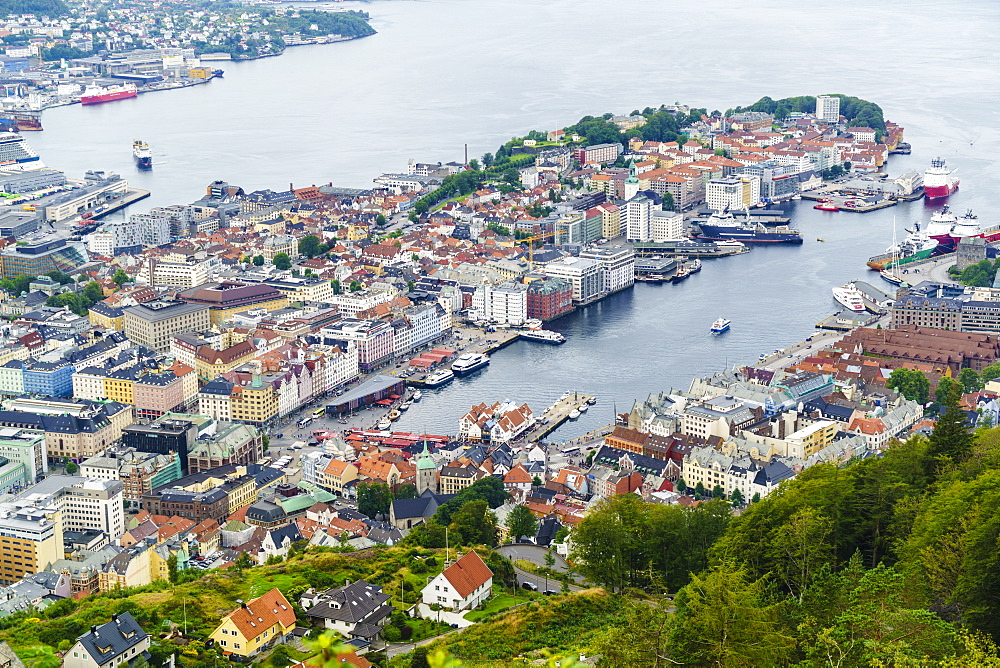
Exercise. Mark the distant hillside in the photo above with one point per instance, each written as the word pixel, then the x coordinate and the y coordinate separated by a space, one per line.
pixel 39 7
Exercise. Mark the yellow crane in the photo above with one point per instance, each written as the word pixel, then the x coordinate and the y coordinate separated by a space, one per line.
pixel 539 237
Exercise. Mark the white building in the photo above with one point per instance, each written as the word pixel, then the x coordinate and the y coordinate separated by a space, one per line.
pixel 120 642
pixel 93 505
pixel 120 237
pixel 462 586
pixel 155 228
pixel 189 274
pixel 585 275
pixel 350 303
pixel 828 108
pixel 665 226
pixel 506 304
pixel 733 193
pixel 617 263
pixel 638 211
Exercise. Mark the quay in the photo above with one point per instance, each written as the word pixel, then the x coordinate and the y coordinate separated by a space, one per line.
pixel 131 196
pixel 558 413
pixel 495 341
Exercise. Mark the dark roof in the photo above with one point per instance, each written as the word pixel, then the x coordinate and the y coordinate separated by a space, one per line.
pixel 121 634
pixel 353 603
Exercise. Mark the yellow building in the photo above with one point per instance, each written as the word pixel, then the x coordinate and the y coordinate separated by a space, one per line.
pixel 211 363
pixel 200 73
pixel 107 317
pixel 810 440
pixel 119 387
pixel 254 404
pixel 258 624
pixel 30 541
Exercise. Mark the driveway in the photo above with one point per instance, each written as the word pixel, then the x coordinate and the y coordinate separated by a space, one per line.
pixel 533 553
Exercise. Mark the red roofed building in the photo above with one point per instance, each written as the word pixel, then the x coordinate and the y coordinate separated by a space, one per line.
pixel 462 586
pixel 258 624
pixel 499 423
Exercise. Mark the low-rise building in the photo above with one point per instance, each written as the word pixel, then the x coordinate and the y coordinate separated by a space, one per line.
pixel 462 586
pixel 120 642
pixel 257 625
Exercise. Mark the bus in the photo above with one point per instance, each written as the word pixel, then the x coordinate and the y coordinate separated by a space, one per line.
pixel 304 421
pixel 318 412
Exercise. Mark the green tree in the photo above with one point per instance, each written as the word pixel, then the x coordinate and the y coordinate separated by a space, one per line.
pixel 520 522
pixel 681 486
pixel 71 467
pixel 309 245
pixel 699 490
pixel 718 492
pixel 951 440
pixel 970 380
pixel 172 568
pixel 910 383
pixel 475 524
pixel 258 260
pixel 93 293
pixel 755 498
pixel 804 547
pixel 282 261
pixel 374 498
pixel 355 286
pixel 725 618
pixel 380 220
pixel 736 498
pixel 536 481
pixel 335 284
pixel 120 277
pixel 419 656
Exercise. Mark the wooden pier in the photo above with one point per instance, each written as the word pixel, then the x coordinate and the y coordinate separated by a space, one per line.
pixel 557 414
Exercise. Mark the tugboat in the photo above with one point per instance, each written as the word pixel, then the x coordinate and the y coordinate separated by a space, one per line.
pixel 141 153
pixel 827 205
pixel 719 326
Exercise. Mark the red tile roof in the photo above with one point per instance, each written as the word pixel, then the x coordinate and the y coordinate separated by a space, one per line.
pixel 468 574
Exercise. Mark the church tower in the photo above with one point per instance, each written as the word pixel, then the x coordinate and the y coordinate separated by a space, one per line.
pixel 427 477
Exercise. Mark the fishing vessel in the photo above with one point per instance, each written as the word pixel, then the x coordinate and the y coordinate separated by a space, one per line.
pixel 141 153
pixel 680 275
pixel 543 335
pixel 916 246
pixel 826 205
pixel 98 95
pixel 726 227
pixel 850 297
pixel 721 325
pixel 439 378
pixel 469 362
pixel 694 266
pixel 939 181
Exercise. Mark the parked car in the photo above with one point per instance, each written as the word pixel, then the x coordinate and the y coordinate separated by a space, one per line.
pixel 529 585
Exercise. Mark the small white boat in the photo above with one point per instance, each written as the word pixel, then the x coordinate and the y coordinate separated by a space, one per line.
pixel 592 401
pixel 582 408
pixel 418 395
pixel 574 414
pixel 383 425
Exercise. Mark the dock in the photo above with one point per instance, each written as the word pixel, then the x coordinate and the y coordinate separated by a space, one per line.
pixel 131 196
pixel 557 414
pixel 846 320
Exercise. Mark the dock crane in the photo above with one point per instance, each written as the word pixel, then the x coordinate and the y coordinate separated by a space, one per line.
pixel 539 237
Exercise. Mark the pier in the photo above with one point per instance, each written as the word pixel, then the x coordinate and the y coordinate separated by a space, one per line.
pixel 557 414
pixel 131 196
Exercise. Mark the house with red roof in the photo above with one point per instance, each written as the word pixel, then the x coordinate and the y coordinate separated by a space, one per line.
pixel 258 624
pixel 462 586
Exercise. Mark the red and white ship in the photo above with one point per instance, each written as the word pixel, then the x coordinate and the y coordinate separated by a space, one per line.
pixel 939 181
pixel 97 95
pixel 947 229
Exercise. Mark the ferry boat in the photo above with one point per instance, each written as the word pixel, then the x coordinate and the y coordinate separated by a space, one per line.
pixel 97 95
pixel 826 205
pixel 439 378
pixel 721 325
pixel 469 362
pixel 939 181
pixel 543 335
pixel 850 297
pixel 725 227
pixel 141 153
pixel 682 273
pixel 916 246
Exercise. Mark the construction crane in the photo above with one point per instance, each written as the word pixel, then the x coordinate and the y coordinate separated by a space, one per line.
pixel 539 237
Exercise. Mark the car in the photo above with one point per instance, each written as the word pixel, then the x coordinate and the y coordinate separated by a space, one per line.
pixel 550 592
pixel 530 586
pixel 278 435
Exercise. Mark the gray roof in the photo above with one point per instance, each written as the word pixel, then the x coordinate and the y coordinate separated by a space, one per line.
pixel 353 603
pixel 121 634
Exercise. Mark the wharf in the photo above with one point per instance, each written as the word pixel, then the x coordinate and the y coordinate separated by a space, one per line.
pixel 131 196
pixel 863 206
pixel 495 341
pixel 557 414
pixel 875 299
pixel 845 321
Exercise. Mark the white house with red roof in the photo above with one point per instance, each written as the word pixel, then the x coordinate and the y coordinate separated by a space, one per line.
pixel 499 423
pixel 462 586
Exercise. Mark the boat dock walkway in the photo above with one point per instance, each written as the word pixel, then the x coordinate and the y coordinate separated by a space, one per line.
pixel 557 414
pixel 131 196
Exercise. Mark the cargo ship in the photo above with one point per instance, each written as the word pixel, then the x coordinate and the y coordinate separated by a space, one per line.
pixel 97 95
pixel 725 227
pixel 939 181
pixel 141 153
pixel 20 121
pixel 916 246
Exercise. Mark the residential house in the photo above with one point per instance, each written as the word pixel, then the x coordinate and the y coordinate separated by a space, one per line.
pixel 256 625
pixel 462 586
pixel 120 642
pixel 356 610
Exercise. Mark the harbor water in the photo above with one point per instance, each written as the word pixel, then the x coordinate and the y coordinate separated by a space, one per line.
pixel 444 73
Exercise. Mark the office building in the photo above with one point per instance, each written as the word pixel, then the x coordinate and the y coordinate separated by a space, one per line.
pixel 152 324
pixel 34 259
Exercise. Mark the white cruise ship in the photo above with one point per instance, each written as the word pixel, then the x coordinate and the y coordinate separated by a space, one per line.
pixel 439 378
pixel 850 297
pixel 15 154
